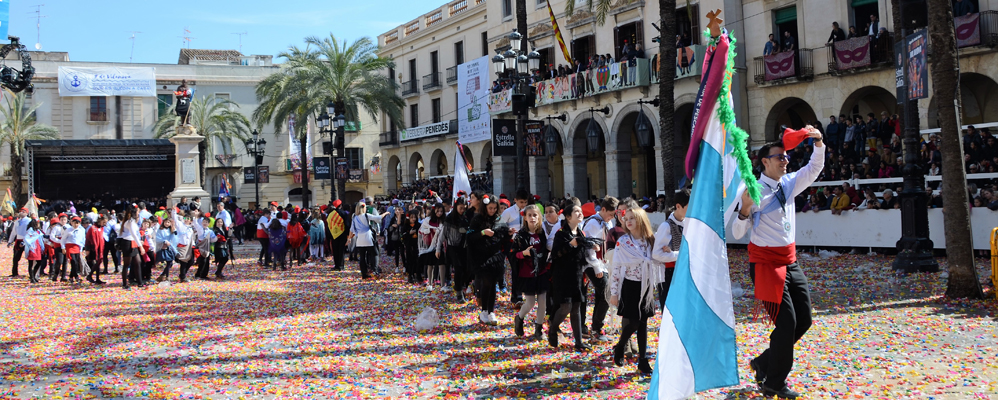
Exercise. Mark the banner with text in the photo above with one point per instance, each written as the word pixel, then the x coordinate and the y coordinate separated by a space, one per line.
pixel 108 81
pixel 342 168
pixel 504 138
pixel 322 167
pixel 474 123
pixel 918 74
pixel 419 132
pixel 534 139
pixel 249 175
pixel 264 174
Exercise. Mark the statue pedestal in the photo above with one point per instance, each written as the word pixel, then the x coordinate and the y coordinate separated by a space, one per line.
pixel 188 171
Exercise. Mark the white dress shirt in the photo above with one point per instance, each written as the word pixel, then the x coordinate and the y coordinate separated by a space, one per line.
pixel 20 230
pixel 77 236
pixel 225 217
pixel 511 217
pixel 772 226
pixel 663 238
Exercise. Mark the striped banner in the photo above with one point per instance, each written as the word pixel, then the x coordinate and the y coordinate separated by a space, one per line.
pixel 557 35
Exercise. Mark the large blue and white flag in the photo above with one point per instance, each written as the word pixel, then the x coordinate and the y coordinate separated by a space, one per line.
pixel 697 349
pixel 4 18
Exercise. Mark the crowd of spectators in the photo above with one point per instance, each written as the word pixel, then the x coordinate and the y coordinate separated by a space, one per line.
pixel 628 52
pixel 425 189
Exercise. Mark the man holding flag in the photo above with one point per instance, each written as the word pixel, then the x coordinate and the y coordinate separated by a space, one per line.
pixel 779 282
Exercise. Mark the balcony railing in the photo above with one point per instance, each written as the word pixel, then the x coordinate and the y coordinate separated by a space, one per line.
pixel 98 115
pixel 410 88
pixel 434 18
pixel 860 54
pixel 784 67
pixel 452 75
pixel 458 7
pixel 687 66
pixel 390 138
pixel 431 81
pixel 392 37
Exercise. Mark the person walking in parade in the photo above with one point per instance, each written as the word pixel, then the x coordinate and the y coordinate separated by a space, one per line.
pixel 779 281
pixel 532 270
pixel 568 262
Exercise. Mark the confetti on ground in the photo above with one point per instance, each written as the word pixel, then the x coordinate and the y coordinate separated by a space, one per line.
pixel 314 333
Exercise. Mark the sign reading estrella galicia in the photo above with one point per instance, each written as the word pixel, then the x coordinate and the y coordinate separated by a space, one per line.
pixel 108 81
pixel 419 132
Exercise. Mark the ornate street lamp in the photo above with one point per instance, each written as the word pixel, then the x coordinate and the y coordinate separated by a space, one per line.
pixel 551 136
pixel 594 134
pixel 642 127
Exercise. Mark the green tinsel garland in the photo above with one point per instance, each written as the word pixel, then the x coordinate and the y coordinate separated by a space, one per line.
pixel 739 137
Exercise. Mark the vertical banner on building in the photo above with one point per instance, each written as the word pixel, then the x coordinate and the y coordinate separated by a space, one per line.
pixel 322 167
pixel 264 174
pixel 504 138
pixel 899 71
pixel 918 69
pixel 294 145
pixel 474 124
pixel 4 17
pixel 534 139
pixel 249 175
pixel 342 168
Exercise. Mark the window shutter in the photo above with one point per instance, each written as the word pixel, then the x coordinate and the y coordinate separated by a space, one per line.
pixel 639 34
pixel 785 15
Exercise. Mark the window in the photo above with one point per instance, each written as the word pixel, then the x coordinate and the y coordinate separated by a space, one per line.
pixel 414 115
pixel 485 43
pixel 355 157
pixel 785 20
pixel 459 53
pixel 412 71
pixel 434 65
pixel 163 103
pixel 583 47
pixel 507 8
pixel 861 12
pixel 98 108
pixel 688 24
pixel 435 106
pixel 630 33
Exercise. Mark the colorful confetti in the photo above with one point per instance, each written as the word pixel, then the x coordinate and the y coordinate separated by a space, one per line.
pixel 318 334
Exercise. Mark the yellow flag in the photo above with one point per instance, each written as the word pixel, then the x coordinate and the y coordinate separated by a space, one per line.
pixel 8 204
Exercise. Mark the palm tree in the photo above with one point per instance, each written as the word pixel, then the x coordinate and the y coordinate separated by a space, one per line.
pixel 350 75
pixel 17 127
pixel 212 117
pixel 963 281
pixel 666 82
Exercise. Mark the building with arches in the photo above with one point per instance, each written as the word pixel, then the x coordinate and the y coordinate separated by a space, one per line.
pixel 820 84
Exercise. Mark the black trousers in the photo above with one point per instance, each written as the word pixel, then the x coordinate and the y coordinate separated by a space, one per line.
pixel 18 251
pixel 94 267
pixel 109 250
pixel 75 266
pixel 58 265
pixel 456 256
pixel 264 251
pixel 792 321
pixel 573 310
pixel 663 288
pixel 186 266
pixel 602 305
pixel 487 291
pixel 368 260
pixel 339 251
pixel 204 264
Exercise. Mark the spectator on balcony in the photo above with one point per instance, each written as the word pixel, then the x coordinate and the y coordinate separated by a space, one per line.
pixel 849 140
pixel 837 34
pixel 970 136
pixel 832 135
pixel 874 25
pixel 890 202
pixel 771 45
pixel 990 149
pixel 873 132
pixel 852 32
pixel 882 34
pixel 789 42
pixel 851 192
pixel 870 201
pixel 886 128
pixel 841 201
pixel 873 158
pixel 895 144
pixel 885 171
pixel 859 137
pixel 962 7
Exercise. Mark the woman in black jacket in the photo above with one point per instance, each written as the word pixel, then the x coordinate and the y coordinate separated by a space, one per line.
pixel 567 266
pixel 485 240
pixel 409 229
pixel 221 247
pixel 530 270
pixel 455 230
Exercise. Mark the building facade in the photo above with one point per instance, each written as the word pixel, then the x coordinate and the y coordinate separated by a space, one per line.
pixel 817 84
pixel 224 74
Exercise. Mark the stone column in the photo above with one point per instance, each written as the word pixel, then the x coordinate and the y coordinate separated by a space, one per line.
pixel 187 171
pixel 659 169
pixel 618 173
pixel 504 175
pixel 576 181
pixel 538 168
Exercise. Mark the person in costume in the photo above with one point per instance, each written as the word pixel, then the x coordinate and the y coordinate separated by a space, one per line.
pixel 32 245
pixel 568 263
pixel 531 270
pixel 455 231
pixel 598 226
pixel 222 248
pixel 95 249
pixel 74 238
pixel 668 240
pixel 485 243
pixel 184 95
pixel 166 247
pixel 637 267
pixel 130 244
pixel 779 281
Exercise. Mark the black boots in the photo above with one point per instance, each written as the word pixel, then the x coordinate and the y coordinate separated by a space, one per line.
pixel 518 325
pixel 618 355
pixel 538 332
pixel 643 366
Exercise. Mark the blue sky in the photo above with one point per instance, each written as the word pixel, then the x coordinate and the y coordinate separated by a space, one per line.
pixel 100 31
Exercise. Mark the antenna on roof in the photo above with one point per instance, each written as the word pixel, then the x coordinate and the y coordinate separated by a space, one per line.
pixel 133 45
pixel 240 39
pixel 187 36
pixel 38 24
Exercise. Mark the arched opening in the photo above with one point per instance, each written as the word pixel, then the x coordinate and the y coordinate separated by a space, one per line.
pixel 556 167
pixel 869 99
pixel 393 175
pixel 416 167
pixel 294 195
pixel 594 168
pixel 352 196
pixel 438 163
pixel 791 112
pixel 637 171
pixel 485 164
pixel 216 185
pixel 683 122
pixel 978 97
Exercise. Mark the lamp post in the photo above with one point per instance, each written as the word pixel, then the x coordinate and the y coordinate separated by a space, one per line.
pixel 594 134
pixel 517 67
pixel 332 124
pixel 255 148
pixel 550 136
pixel 642 127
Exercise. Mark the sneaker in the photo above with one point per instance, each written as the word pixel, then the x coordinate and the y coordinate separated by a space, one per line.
pixel 484 317
pixel 785 393
pixel 492 319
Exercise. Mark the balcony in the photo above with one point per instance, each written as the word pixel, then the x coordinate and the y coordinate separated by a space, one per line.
pixel 97 115
pixel 691 67
pixel 458 7
pixel 977 30
pixel 431 82
pixel 390 138
pixel 785 67
pixel 860 54
pixel 410 88
pixel 597 81
pixel 452 75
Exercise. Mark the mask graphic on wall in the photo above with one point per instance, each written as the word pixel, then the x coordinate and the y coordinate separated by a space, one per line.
pixel 853 53
pixel 968 30
pixel 779 65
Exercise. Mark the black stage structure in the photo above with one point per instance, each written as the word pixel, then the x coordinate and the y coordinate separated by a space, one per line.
pixel 75 169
